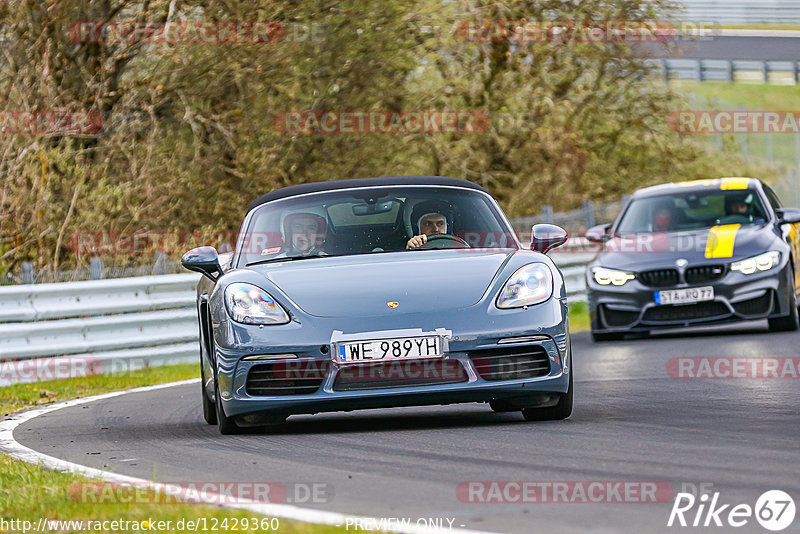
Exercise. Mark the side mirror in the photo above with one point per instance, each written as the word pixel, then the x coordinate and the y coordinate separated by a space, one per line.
pixel 788 215
pixel 598 234
pixel 203 260
pixel 547 236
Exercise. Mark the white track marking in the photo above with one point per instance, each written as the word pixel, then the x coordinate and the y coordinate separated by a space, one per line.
pixel 16 450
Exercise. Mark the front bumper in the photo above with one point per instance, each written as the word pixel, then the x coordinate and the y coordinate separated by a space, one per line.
pixel 737 297
pixel 542 328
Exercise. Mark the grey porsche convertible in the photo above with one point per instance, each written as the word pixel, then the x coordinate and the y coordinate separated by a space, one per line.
pixel 376 293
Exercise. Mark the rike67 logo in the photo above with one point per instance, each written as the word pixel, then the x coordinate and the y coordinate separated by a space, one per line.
pixel 774 510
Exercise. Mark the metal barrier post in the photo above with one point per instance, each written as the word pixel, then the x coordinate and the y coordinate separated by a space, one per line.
pixel 96 265
pixel 588 213
pixel 160 266
pixel 27 273
pixel 547 214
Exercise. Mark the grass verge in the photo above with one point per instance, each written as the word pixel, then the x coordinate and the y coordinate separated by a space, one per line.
pixel 747 96
pixel 578 317
pixel 20 396
pixel 29 492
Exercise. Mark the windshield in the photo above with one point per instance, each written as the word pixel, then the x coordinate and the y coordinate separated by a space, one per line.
pixel 372 220
pixel 695 210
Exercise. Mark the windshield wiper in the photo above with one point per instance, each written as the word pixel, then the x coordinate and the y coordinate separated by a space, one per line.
pixel 291 258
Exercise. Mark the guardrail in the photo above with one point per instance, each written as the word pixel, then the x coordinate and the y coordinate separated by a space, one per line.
pixel 572 259
pixel 77 328
pixel 742 11
pixel 702 70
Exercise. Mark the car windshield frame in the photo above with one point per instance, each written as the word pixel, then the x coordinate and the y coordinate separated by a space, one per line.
pixel 758 205
pixel 244 258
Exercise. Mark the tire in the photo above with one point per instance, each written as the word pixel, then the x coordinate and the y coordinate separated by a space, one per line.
pixel 209 408
pixel 790 323
pixel 226 424
pixel 599 337
pixel 560 411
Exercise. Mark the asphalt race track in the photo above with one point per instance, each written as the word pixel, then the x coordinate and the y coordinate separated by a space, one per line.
pixel 632 422
pixel 730 47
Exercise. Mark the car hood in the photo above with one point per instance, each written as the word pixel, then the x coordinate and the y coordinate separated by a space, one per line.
pixel 662 250
pixel 365 285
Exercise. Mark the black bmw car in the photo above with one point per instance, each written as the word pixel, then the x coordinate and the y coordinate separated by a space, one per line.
pixel 696 253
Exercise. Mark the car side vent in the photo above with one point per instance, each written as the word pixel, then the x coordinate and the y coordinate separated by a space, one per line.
pixel 511 363
pixel 285 378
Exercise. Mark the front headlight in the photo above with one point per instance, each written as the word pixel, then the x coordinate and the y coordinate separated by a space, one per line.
pixel 762 262
pixel 531 284
pixel 250 304
pixel 605 276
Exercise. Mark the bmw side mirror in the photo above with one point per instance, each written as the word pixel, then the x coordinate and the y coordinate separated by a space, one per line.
pixel 788 215
pixel 598 234
pixel 547 236
pixel 203 260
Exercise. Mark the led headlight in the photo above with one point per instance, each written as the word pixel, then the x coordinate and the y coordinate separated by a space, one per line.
pixel 605 276
pixel 531 284
pixel 762 262
pixel 250 304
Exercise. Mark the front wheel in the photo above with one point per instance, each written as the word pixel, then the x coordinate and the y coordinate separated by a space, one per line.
pixel 209 408
pixel 226 424
pixel 562 410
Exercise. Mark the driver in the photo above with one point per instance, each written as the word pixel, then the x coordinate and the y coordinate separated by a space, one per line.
pixel 304 234
pixel 429 218
pixel 736 206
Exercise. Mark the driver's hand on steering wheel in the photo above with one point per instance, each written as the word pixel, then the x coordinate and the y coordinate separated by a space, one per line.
pixel 417 241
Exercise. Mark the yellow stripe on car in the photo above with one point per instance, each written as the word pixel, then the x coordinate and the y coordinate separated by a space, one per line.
pixel 720 241
pixel 739 183
pixel 725 184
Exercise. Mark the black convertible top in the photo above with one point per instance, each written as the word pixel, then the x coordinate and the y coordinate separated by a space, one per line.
pixel 333 185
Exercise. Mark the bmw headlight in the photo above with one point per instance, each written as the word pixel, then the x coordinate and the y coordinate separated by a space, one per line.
pixel 605 276
pixel 250 304
pixel 762 262
pixel 531 284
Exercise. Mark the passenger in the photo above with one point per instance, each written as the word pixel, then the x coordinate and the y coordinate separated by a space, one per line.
pixel 662 219
pixel 304 234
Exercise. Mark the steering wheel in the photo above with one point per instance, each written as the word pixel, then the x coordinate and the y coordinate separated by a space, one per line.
pixel 444 241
